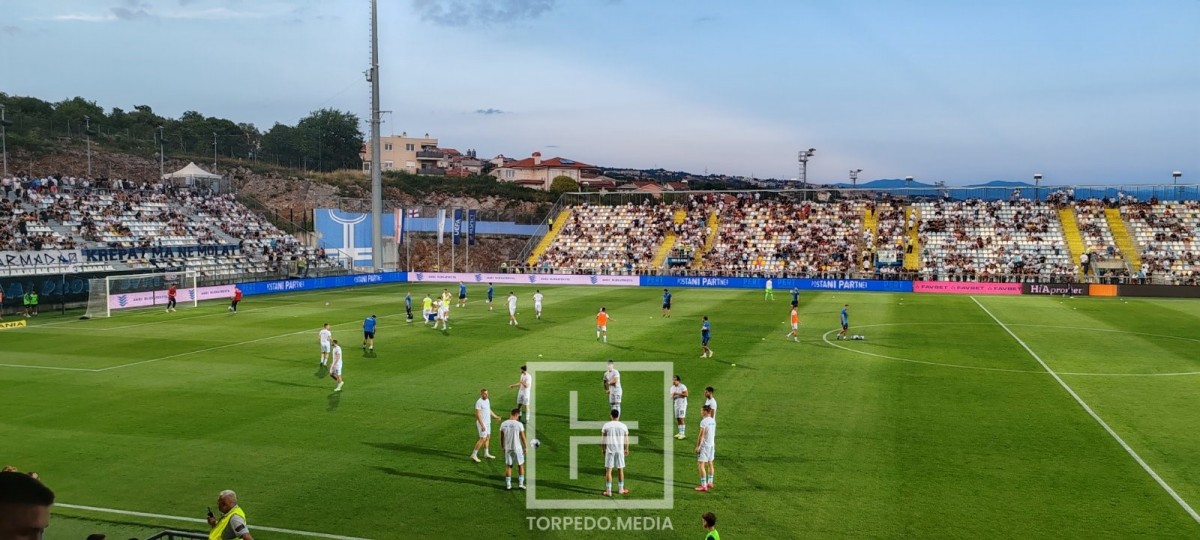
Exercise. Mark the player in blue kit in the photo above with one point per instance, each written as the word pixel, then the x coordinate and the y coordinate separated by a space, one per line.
pixel 491 292
pixel 666 303
pixel 845 322
pixel 705 335
pixel 795 297
pixel 462 295
pixel 369 334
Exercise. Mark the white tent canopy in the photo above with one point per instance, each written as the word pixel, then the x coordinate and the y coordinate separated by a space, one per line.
pixel 192 173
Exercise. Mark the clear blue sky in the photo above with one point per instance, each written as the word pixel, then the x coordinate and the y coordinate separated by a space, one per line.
pixel 963 91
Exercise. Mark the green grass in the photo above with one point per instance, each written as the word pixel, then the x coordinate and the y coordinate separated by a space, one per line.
pixel 945 427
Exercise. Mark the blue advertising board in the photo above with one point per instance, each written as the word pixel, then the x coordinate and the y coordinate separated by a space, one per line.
pixel 781 284
pixel 310 284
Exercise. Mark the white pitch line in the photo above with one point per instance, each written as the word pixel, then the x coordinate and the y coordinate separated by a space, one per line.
pixel 226 346
pixel 57 368
pixel 1097 418
pixel 198 520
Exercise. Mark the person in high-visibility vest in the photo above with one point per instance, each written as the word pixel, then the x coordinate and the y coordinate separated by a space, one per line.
pixel 232 523
pixel 33 303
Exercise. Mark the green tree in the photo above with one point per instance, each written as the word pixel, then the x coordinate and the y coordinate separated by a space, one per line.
pixel 563 184
pixel 329 139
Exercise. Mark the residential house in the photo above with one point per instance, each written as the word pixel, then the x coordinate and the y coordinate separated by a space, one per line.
pixel 538 173
pixel 417 155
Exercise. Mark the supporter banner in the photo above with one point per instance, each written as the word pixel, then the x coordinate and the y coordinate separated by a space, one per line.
pixel 162 252
pixel 1160 291
pixel 1068 289
pixel 5 325
pixel 781 285
pixel 289 285
pixel 158 298
pixel 523 279
pixel 456 227
pixel 472 215
pixel 51 288
pixel 965 287
pixel 347 235
pixel 45 258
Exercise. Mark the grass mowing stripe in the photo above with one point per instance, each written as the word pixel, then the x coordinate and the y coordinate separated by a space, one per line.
pixel 198 520
pixel 1096 417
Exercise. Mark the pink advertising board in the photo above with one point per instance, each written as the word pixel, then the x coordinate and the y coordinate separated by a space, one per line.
pixel 522 279
pixel 965 287
pixel 158 298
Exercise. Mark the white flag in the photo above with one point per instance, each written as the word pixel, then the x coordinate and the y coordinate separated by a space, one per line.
pixel 441 224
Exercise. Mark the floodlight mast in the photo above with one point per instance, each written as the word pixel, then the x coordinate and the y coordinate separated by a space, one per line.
pixel 804 156
pixel 376 174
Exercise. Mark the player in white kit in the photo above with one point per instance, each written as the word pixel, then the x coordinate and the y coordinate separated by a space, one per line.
pixel 512 309
pixel 706 448
pixel 325 336
pixel 710 401
pixel 483 424
pixel 443 315
pixel 612 385
pixel 614 443
pixel 335 366
pixel 523 385
pixel 537 303
pixel 679 395
pixel 514 445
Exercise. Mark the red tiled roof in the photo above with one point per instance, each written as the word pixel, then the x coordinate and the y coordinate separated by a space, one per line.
pixel 556 162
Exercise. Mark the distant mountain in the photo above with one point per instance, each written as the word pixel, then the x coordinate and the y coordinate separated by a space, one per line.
pixel 885 183
pixel 1003 183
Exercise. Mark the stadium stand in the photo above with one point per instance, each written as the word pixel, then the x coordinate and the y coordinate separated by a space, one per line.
pixel 786 237
pixel 986 240
pixel 616 239
pixel 70 213
pixel 1167 236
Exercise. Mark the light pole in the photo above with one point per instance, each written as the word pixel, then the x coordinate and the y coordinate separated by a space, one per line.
pixel 161 159
pixel 87 132
pixel 908 180
pixel 4 123
pixel 1037 186
pixel 1178 189
pixel 804 156
pixel 214 151
pixel 854 177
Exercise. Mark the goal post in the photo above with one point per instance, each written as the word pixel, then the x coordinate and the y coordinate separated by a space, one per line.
pixel 133 291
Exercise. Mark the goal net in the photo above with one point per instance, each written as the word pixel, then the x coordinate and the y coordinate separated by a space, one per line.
pixel 140 291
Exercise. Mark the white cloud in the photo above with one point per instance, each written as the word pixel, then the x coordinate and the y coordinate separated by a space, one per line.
pixel 84 17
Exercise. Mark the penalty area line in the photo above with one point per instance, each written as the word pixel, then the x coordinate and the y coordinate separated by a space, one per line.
pixel 198 520
pixel 1162 483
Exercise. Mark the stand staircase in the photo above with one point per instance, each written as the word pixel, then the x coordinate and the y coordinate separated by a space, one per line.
pixel 1071 234
pixel 544 243
pixel 912 257
pixel 1125 242
pixel 714 224
pixel 669 242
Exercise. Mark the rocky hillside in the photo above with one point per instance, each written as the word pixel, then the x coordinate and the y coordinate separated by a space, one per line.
pixel 287 192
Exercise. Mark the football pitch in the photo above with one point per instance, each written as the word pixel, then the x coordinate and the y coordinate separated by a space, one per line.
pixel 957 416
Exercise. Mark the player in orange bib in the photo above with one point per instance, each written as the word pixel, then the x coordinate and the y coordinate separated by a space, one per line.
pixel 795 333
pixel 602 325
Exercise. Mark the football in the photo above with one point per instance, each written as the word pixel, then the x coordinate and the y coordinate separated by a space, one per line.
pixel 535 443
